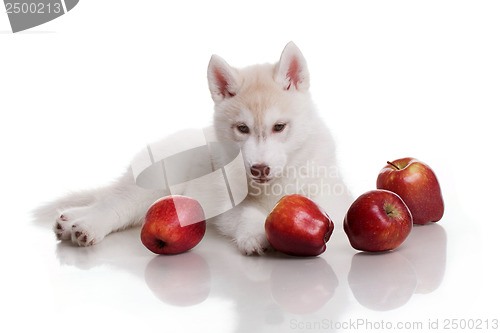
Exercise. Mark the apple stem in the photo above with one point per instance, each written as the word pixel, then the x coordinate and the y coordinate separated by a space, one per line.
pixel 394 165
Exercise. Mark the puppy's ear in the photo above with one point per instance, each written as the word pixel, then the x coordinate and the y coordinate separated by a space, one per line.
pixel 292 70
pixel 223 80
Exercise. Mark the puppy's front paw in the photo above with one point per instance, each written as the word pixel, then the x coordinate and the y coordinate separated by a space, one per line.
pixel 255 244
pixel 80 225
pixel 82 235
pixel 62 228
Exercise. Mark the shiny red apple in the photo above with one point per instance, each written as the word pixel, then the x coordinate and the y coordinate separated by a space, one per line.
pixel 173 224
pixel 298 226
pixel 416 183
pixel 377 221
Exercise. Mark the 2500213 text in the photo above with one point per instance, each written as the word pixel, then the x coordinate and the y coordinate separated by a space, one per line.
pixel 470 324
pixel 32 8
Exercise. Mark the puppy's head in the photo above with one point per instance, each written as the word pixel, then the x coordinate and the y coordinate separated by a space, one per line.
pixel 264 108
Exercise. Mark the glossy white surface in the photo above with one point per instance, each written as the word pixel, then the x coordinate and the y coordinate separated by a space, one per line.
pixel 80 95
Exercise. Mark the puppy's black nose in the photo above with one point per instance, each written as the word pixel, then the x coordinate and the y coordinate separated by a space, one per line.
pixel 260 170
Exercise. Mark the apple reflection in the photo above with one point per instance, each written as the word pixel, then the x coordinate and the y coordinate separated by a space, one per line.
pixel 304 285
pixel 181 280
pixel 425 248
pixel 386 281
pixel 382 281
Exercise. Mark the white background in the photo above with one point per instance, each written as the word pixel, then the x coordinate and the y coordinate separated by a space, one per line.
pixel 81 94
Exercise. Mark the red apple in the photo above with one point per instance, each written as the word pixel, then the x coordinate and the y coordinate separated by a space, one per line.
pixel 377 221
pixel 417 185
pixel 173 224
pixel 298 226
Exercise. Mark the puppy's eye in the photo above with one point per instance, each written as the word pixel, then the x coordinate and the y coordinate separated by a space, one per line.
pixel 279 127
pixel 243 128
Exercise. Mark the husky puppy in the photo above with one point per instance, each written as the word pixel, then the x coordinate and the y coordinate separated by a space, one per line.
pixel 267 110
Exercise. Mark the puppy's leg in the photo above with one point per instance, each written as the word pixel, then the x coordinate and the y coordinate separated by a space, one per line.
pixel 118 206
pixel 51 210
pixel 245 225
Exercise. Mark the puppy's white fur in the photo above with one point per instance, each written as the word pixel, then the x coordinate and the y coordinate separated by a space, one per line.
pixel 298 157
